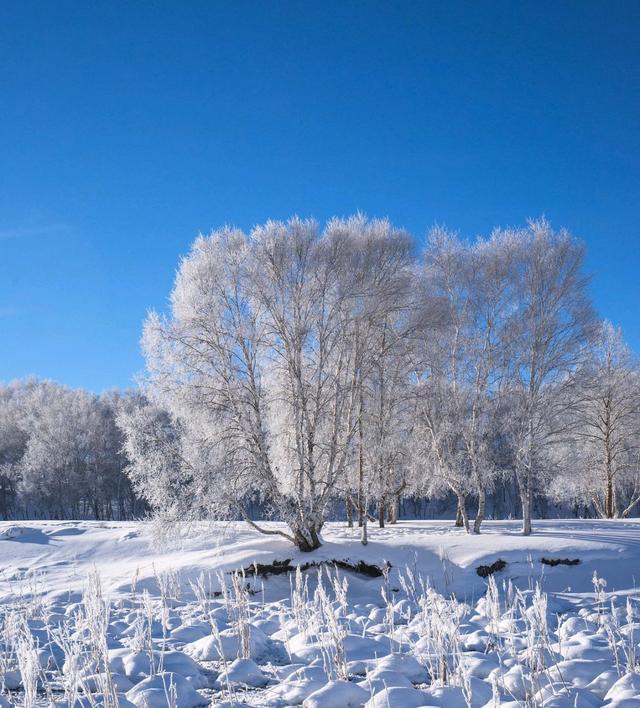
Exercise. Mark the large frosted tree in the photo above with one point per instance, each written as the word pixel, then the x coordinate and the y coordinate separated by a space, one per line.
pixel 259 361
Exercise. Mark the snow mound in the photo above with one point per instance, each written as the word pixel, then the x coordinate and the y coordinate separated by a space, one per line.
pixel 94 683
pixel 396 696
pixel 625 692
pixel 11 680
pixel 299 685
pixel 377 681
pixel 244 672
pixel 209 648
pixel 404 664
pixel 136 666
pixel 164 691
pixel 15 532
pixel 337 693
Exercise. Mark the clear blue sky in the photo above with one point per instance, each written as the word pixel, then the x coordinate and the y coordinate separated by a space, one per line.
pixel 126 128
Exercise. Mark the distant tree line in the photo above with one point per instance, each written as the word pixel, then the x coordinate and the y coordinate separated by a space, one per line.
pixel 61 454
pixel 304 373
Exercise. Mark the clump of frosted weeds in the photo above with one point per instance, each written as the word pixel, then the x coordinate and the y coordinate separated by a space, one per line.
pixel 202 598
pixel 493 607
pixel 170 588
pixel 169 584
pixel 412 584
pixel 28 662
pixel 224 591
pixel 10 631
pixel 440 628
pixel 537 631
pixel 75 663
pixel 630 647
pixel 299 593
pixel 147 621
pixel 599 585
pixel 621 638
pixel 241 612
pixel 134 586
pixel 495 692
pixel 86 649
pixel 29 593
pixel 340 588
pixel 447 572
pixel 387 598
pixel 331 634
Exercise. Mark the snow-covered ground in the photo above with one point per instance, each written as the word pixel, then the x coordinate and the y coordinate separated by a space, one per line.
pixel 96 614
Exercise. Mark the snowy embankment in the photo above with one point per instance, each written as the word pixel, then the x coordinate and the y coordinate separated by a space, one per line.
pixel 95 614
pixel 62 553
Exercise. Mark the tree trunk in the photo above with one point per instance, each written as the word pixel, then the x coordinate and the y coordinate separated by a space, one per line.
pixel 459 520
pixel 525 480
pixel 361 512
pixel 381 510
pixel 395 507
pixel 349 510
pixel 363 537
pixel 482 501
pixel 307 540
pixel 462 511
pixel 609 502
pixel 610 505
pixel 527 508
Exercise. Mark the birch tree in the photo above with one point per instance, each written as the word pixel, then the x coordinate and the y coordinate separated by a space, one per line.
pixel 554 322
pixel 467 365
pixel 257 362
pixel 486 354
pixel 606 427
pixel 439 387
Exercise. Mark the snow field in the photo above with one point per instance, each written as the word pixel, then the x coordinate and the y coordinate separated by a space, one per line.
pixel 199 634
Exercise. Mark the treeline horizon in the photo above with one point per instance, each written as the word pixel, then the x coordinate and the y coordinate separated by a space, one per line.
pixel 96 486
pixel 304 372
pixel 90 482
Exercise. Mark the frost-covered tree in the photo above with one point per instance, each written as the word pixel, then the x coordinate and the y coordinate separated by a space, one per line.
pixel 439 405
pixel 257 362
pixel 72 463
pixel 109 492
pixel 605 426
pixel 386 417
pixel 61 453
pixel 164 470
pixel 386 315
pixel 553 323
pixel 486 355
pixel 13 444
pixel 299 367
pixel 463 369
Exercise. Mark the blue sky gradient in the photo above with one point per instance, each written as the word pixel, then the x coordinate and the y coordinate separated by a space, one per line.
pixel 126 128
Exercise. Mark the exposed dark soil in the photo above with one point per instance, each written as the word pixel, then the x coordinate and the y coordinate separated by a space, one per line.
pixel 484 571
pixel 279 567
pixel 560 561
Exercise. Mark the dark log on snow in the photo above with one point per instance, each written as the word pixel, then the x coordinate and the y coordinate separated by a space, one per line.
pixel 279 567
